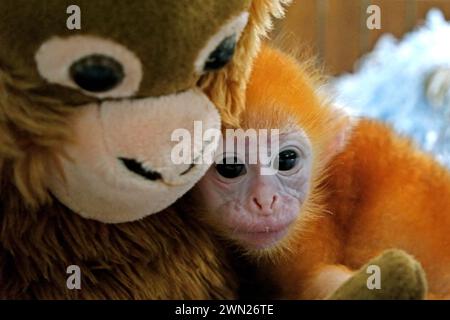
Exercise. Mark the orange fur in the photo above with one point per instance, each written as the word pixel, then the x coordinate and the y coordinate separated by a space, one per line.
pixel 379 192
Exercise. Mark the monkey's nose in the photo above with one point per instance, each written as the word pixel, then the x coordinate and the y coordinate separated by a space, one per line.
pixel 264 206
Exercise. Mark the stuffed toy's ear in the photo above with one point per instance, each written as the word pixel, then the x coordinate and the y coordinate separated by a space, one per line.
pixel 29 135
pixel 227 88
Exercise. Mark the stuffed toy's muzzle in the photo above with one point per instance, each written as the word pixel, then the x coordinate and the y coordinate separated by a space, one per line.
pixel 120 167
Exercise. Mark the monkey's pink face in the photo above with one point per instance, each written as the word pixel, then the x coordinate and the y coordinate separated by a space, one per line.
pixel 253 208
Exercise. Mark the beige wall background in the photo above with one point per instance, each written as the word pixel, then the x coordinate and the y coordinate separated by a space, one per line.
pixel 336 32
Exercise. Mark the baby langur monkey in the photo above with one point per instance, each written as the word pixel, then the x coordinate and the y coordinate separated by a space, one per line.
pixel 341 193
pixel 254 194
pixel 260 206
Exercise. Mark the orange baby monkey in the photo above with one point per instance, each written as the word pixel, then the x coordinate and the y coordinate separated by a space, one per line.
pixel 341 193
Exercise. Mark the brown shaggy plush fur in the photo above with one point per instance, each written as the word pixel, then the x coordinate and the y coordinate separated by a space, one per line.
pixel 178 261
pixel 165 256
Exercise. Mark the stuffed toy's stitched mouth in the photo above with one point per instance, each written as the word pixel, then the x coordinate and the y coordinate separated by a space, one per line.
pixel 138 168
pixel 188 169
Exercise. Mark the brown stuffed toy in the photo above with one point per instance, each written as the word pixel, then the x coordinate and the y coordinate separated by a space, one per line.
pixel 86 117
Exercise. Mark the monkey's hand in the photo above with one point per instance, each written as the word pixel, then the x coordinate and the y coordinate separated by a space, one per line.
pixel 401 278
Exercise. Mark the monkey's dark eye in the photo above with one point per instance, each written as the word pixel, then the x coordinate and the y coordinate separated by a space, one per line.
pixel 288 159
pixel 223 54
pixel 97 73
pixel 230 168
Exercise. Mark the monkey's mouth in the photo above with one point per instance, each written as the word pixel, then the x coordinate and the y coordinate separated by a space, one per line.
pixel 262 238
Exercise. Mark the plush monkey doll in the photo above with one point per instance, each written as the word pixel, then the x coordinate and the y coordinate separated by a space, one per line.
pixel 86 117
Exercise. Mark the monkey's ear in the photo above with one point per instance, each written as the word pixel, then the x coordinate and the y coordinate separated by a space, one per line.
pixel 343 124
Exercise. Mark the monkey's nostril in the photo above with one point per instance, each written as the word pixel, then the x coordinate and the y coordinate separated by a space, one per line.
pixel 258 205
pixel 274 200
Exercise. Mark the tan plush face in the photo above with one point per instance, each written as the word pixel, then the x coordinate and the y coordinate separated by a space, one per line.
pixel 127 79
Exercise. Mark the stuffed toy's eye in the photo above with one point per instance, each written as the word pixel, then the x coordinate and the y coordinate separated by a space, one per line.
pixel 230 168
pixel 223 54
pixel 220 48
pixel 97 67
pixel 97 73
